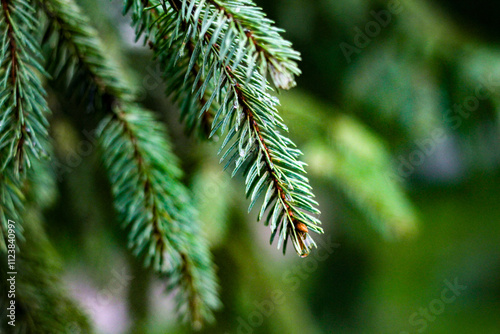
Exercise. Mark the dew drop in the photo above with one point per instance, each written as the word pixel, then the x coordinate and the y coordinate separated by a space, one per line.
pixel 241 116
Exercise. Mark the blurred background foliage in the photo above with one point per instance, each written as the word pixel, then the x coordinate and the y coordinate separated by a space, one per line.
pixel 404 163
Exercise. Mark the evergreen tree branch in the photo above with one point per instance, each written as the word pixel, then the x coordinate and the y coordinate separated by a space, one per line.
pixel 23 124
pixel 148 195
pixel 272 53
pixel 269 52
pixel 243 107
pixel 153 204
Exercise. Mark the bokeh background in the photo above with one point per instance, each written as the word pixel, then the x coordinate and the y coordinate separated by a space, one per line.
pixel 397 113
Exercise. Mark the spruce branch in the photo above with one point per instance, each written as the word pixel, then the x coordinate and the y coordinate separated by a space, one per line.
pixel 261 39
pixel 150 199
pixel 268 51
pixel 272 53
pixel 23 123
pixel 153 205
pixel 238 93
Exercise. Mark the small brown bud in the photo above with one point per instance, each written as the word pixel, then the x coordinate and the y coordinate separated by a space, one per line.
pixel 302 227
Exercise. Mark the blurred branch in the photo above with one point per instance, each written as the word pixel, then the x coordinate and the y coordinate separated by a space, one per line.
pixel 357 161
pixel 42 303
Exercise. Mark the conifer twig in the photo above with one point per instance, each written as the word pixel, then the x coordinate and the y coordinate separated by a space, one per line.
pixel 23 123
pixel 225 66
